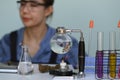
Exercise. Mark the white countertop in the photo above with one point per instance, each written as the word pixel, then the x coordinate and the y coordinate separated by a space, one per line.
pixel 39 76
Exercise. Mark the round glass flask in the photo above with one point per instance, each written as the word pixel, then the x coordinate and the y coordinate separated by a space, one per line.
pixel 61 42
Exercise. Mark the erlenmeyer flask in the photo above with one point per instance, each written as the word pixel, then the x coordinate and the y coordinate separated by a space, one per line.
pixel 25 65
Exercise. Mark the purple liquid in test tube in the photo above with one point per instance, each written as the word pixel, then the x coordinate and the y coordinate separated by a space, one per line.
pixel 99 66
pixel 99 56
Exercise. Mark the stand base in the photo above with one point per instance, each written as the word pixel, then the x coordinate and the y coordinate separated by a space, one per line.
pixel 81 75
pixel 61 73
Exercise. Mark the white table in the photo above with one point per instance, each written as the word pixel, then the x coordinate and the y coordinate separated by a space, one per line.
pixel 36 76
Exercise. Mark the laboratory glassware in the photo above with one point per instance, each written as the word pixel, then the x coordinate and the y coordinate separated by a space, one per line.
pixel 59 39
pixel 25 65
pixel 112 55
pixel 99 55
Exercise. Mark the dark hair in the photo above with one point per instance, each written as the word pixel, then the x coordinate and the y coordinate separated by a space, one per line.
pixel 49 2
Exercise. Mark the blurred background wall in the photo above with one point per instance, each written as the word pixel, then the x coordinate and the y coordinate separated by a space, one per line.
pixel 73 14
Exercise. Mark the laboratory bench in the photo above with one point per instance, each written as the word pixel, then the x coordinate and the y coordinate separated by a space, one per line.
pixel 37 75
pixel 40 76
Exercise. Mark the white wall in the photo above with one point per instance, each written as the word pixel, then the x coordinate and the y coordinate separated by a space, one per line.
pixel 71 14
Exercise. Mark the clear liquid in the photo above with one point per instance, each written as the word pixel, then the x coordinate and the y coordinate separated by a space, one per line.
pixel 25 68
pixel 60 46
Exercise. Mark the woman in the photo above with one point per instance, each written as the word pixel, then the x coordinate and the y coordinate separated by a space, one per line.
pixel 36 35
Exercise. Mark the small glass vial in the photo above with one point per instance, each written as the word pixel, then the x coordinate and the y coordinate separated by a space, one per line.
pixel 25 65
pixel 63 66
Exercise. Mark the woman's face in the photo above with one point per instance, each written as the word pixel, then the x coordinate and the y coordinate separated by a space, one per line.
pixel 33 12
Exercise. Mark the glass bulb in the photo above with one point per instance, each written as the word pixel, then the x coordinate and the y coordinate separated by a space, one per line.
pixel 61 43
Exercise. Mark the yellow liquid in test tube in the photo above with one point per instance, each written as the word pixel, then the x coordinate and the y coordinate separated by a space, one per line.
pixel 112 65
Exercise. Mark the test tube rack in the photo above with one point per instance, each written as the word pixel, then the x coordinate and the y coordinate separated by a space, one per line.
pixel 106 65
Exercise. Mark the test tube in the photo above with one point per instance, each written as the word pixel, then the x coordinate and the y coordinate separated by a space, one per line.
pixel 119 71
pixel 99 56
pixel 91 26
pixel 112 56
pixel 118 35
